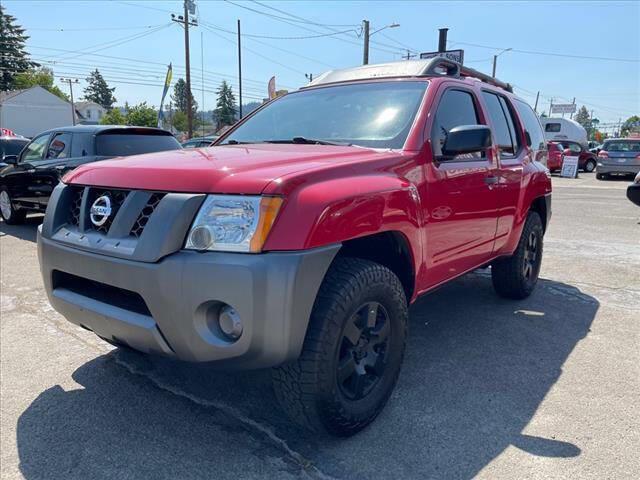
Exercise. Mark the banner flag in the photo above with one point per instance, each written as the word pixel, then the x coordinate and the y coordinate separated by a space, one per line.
pixel 167 83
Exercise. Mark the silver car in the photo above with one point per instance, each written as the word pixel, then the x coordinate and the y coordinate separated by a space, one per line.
pixel 619 156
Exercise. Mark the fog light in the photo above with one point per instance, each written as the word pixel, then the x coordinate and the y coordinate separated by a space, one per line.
pixel 201 238
pixel 230 322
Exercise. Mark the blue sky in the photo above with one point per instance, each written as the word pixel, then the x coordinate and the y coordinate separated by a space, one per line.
pixel 132 41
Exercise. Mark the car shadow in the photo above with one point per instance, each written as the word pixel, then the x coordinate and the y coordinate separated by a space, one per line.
pixel 26 231
pixel 476 370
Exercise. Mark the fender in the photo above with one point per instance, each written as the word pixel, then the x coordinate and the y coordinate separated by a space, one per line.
pixel 334 210
pixel 535 185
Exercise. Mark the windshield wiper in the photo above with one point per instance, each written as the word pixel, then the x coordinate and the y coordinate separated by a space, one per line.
pixel 236 142
pixel 309 141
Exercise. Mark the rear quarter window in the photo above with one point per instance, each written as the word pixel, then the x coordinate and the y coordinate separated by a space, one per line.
pixel 123 144
pixel 533 129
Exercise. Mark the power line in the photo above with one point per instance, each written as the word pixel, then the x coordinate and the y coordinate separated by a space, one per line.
pixel 89 29
pixel 552 54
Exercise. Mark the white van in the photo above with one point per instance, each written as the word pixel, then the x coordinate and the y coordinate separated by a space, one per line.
pixel 558 129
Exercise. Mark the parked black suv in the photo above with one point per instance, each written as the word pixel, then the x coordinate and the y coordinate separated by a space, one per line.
pixel 28 179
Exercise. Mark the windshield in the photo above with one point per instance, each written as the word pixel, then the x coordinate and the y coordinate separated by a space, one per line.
pixel 622 146
pixel 376 115
pixel 122 144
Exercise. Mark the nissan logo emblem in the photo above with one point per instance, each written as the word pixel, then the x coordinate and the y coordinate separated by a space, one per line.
pixel 100 211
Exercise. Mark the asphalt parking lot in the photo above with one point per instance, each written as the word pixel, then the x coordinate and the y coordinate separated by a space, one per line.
pixel 544 388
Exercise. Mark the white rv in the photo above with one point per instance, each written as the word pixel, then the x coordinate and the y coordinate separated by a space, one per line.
pixel 558 129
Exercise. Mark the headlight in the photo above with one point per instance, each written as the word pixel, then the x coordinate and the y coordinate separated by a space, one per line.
pixel 233 223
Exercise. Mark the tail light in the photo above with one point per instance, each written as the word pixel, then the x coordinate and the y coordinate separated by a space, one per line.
pixel 603 154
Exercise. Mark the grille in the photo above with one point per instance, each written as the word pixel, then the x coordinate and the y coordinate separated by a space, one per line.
pixel 145 214
pixel 116 197
pixel 76 202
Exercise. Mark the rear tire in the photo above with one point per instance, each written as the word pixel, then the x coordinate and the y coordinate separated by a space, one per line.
pixel 590 166
pixel 602 176
pixel 9 213
pixel 352 352
pixel 516 276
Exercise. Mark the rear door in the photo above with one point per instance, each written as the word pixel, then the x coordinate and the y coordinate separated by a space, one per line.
pixel 461 199
pixel 509 148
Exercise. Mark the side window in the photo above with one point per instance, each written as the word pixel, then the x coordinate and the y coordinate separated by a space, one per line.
pixel 456 108
pixel 533 130
pixel 574 147
pixel 34 151
pixel 82 145
pixel 511 121
pixel 552 127
pixel 502 124
pixel 60 146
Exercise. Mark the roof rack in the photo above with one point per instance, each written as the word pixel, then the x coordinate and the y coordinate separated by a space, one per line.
pixel 438 66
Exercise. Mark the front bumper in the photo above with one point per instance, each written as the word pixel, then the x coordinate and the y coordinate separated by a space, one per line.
pixel 179 298
pixel 633 193
pixel 617 169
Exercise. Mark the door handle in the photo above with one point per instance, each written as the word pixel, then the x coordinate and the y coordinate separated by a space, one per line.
pixel 491 180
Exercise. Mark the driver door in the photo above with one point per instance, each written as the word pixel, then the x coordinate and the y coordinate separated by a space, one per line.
pixel 20 179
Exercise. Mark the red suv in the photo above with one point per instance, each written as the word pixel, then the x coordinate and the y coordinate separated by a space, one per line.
pixel 587 160
pixel 300 239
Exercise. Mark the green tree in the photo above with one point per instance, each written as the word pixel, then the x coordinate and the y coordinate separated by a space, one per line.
pixel 583 117
pixel 179 121
pixel 225 106
pixel 630 125
pixel 38 76
pixel 113 117
pixel 142 115
pixel 98 91
pixel 13 57
pixel 180 98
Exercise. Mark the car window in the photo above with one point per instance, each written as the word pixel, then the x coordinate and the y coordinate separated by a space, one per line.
pixel 368 114
pixel 35 150
pixel 574 147
pixel 60 146
pixel 124 144
pixel 456 108
pixel 503 130
pixel 622 146
pixel 13 147
pixel 82 145
pixel 552 127
pixel 535 136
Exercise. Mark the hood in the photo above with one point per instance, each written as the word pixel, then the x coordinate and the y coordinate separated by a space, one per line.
pixel 224 169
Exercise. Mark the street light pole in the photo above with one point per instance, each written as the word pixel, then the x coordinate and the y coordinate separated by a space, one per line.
pixel 495 60
pixel 367 36
pixel 365 30
pixel 71 81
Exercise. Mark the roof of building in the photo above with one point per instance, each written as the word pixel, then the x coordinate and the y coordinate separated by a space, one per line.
pixel 86 103
pixel 11 93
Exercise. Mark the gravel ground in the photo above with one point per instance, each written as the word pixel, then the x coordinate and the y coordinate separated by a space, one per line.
pixel 544 388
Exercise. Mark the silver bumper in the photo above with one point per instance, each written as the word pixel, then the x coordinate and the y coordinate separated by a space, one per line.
pixel 171 306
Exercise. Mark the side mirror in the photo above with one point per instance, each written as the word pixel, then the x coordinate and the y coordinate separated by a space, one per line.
pixel 466 139
pixel 10 159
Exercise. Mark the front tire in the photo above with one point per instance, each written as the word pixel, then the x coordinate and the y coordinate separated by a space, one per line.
pixel 352 352
pixel 516 276
pixel 9 213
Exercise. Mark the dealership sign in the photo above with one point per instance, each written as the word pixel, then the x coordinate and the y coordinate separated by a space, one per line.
pixel 455 55
pixel 563 108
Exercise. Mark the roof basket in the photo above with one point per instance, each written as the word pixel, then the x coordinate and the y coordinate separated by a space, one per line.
pixel 470 72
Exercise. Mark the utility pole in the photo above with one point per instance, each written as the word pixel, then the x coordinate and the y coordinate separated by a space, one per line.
pixel 71 81
pixel 573 102
pixel 535 108
pixel 365 30
pixel 408 56
pixel 239 74
pixel 442 39
pixel 184 20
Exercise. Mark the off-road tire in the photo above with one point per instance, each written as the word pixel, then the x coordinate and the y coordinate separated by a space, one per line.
pixel 308 389
pixel 590 166
pixel 516 276
pixel 15 216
